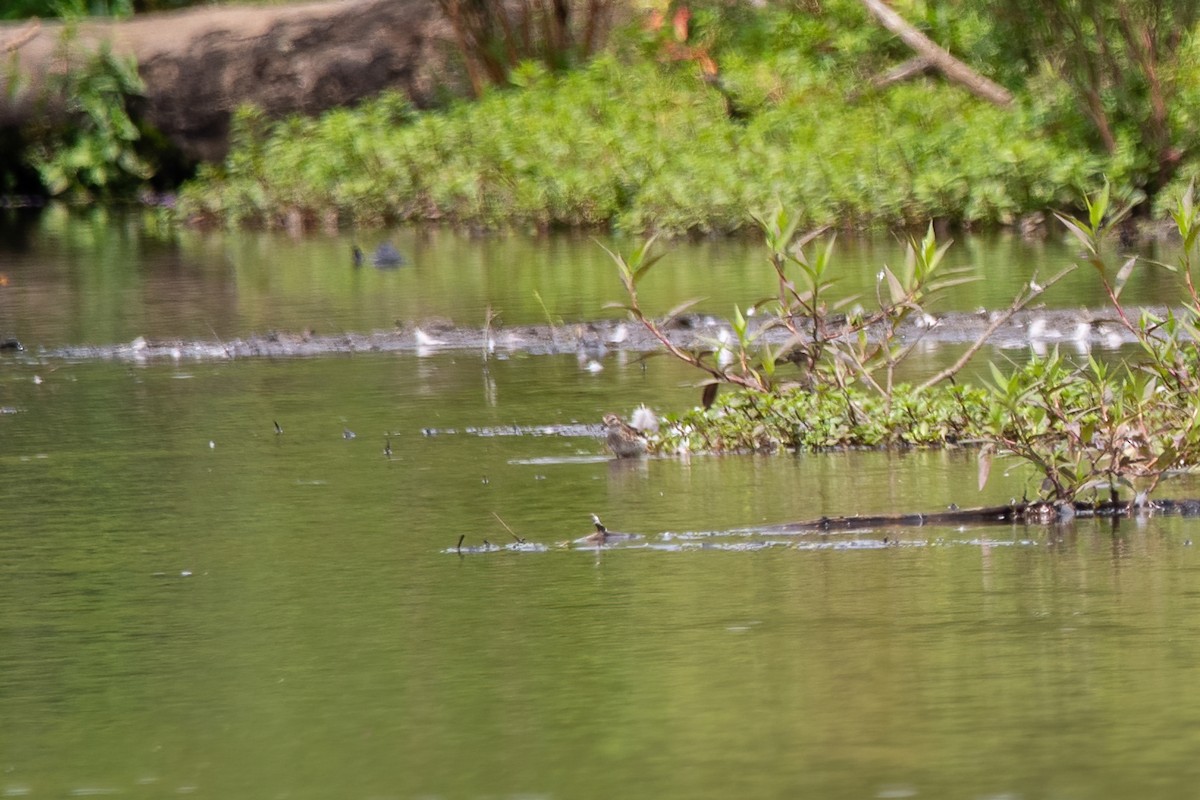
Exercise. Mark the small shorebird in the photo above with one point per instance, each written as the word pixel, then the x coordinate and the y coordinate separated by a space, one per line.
pixel 624 440
pixel 599 537
pixel 603 535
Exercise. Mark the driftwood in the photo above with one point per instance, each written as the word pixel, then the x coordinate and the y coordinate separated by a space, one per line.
pixel 199 65
pixel 950 66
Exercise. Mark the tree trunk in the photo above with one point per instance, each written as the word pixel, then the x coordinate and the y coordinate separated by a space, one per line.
pixel 199 65
pixel 950 66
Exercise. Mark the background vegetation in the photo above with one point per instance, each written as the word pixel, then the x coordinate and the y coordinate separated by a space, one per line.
pixel 23 9
pixel 694 114
pixel 647 137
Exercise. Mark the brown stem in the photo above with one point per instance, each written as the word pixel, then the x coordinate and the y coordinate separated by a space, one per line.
pixel 679 352
pixel 1023 300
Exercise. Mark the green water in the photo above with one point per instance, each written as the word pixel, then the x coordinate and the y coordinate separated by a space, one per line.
pixel 192 605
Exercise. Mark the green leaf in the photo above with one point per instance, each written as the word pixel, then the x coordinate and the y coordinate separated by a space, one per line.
pixel 1099 207
pixel 895 289
pixel 1123 275
pixel 1077 230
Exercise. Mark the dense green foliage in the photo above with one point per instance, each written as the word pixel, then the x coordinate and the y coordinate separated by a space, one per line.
pixel 23 9
pixel 684 132
pixel 95 150
pixel 1121 59
pixel 639 141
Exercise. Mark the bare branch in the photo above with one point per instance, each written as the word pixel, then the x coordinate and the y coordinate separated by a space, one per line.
pixel 978 85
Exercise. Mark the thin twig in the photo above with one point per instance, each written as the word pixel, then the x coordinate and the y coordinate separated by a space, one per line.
pixel 228 354
pixel 1023 300
pixel 510 530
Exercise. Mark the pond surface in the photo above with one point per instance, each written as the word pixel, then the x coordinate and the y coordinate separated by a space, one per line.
pixel 193 605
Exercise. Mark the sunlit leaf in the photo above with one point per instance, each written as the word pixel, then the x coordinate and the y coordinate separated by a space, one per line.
pixel 1123 275
pixel 894 286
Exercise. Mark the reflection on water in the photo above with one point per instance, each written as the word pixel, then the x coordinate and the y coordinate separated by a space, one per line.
pixel 100 279
pixel 193 604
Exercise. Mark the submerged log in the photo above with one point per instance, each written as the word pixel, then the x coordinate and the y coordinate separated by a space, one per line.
pixel 200 64
pixel 1039 512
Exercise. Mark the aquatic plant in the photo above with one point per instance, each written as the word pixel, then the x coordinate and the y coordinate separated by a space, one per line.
pixel 826 417
pixel 836 341
pixel 1101 427
pixel 1086 427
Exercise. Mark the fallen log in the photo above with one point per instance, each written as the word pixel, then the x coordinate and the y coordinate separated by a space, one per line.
pixel 200 64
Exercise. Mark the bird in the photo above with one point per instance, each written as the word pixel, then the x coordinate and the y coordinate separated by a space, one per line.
pixel 387 447
pixel 603 535
pixel 278 429
pixel 348 434
pixel 599 537
pixel 624 440
pixel 386 255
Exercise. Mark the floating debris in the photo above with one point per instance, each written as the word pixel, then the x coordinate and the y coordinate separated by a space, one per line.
pixel 385 256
